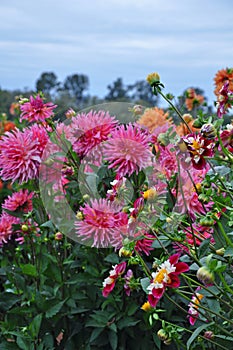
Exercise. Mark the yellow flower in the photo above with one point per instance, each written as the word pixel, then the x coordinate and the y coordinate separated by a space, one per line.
pixel 146 306
pixel 150 194
pixel 153 78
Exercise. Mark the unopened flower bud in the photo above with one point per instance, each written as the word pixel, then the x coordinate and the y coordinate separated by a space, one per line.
pixel 205 275
pixel 162 334
pixel 24 228
pixel 153 78
pixel 86 197
pixel 203 198
pixel 137 109
pixel 220 251
pixel 208 131
pixel 167 341
pixel 209 335
pixel 125 252
pixel 70 113
pixel 79 215
pixel 207 221
pixel 187 117
pixel 58 236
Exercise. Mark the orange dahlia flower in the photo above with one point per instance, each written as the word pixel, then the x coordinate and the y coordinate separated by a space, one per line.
pixel 221 77
pixel 153 118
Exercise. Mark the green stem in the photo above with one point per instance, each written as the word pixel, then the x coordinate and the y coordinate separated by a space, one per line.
pixel 227 239
pixel 174 108
pixel 207 289
pixel 226 286
pixel 144 266
pixel 209 311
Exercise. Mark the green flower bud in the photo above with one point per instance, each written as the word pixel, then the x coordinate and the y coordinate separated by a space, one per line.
pixel 162 334
pixel 205 275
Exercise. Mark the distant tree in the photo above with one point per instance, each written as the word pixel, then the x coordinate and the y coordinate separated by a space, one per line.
pixel 117 91
pixel 47 82
pixel 141 93
pixel 76 85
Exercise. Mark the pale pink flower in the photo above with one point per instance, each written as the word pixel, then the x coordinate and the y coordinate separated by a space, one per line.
pixel 21 201
pixel 91 129
pixel 102 225
pixel 6 229
pixel 128 150
pixel 20 156
pixel 36 110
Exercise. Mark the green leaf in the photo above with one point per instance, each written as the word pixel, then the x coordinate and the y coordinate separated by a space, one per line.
pixel 112 258
pixel 145 282
pixel 24 344
pixel 55 309
pixel 228 251
pixel 34 326
pixel 7 300
pixel 196 333
pixel 113 340
pixel 96 332
pixel 29 269
pixel 127 322
pixel 204 248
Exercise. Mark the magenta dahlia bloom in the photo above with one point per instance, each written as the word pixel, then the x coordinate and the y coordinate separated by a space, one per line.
pixel 91 129
pixel 144 245
pixel 20 156
pixel 102 225
pixel 128 149
pixel 21 201
pixel 6 230
pixel 38 133
pixel 36 110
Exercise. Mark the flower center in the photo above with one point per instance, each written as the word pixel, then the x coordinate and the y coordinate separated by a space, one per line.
pixel 196 145
pixel 162 276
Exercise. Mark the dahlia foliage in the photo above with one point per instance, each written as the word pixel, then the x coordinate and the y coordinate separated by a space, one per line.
pixel 155 191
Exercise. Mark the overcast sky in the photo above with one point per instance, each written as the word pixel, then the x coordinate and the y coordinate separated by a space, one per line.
pixel 186 42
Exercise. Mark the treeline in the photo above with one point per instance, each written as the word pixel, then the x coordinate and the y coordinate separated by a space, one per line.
pixel 73 92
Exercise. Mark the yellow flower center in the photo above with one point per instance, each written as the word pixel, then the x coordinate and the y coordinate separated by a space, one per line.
pixel 196 145
pixel 161 275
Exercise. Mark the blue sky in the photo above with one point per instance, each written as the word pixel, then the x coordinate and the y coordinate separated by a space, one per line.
pixel 187 42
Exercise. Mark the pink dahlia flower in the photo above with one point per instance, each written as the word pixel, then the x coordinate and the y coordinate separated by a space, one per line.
pixel 36 110
pixel 91 129
pixel 128 150
pixel 21 201
pixel 102 225
pixel 39 134
pixel 20 156
pixel 6 230
pixel 144 245
pixel 165 276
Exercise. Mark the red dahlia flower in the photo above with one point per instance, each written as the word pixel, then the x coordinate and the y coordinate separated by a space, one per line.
pixel 165 276
pixel 198 147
